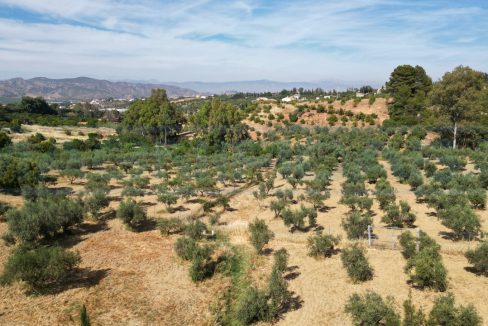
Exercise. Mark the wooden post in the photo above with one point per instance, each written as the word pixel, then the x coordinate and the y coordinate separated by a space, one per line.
pixel 369 235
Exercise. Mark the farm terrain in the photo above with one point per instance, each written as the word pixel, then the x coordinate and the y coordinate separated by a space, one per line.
pixel 135 278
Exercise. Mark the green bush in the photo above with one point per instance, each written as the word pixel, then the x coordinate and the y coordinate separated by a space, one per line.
pixel 4 140
pixel 201 267
pixel 169 226
pixel 356 264
pixel 462 220
pixel 44 218
pixel 477 197
pixel 430 168
pixel 252 306
pixel 408 242
pixel 479 258
pixel 260 234
pixel 370 310
pixel 94 202
pixel 278 293
pixel 385 193
pixel 322 245
pixel 399 216
pixel 412 315
pixel 427 270
pixel 196 229
pixel 15 173
pixel 185 248
pixel 281 259
pixel 356 224
pixel 445 312
pixel 131 214
pixel 39 268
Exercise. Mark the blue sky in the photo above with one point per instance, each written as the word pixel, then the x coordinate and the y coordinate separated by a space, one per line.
pixel 224 40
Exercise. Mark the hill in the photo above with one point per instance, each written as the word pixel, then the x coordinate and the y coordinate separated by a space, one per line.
pixel 81 88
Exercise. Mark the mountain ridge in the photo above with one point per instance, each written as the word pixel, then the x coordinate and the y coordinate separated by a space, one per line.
pixel 82 88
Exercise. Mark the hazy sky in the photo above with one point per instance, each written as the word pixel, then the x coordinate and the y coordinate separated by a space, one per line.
pixel 239 40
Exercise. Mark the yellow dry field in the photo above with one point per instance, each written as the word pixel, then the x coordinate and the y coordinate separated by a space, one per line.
pixel 132 278
pixel 61 134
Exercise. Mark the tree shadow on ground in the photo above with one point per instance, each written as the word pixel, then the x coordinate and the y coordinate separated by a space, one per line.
pixel 147 225
pixel 453 236
pixel 325 209
pixel 473 270
pixel 295 303
pixel 79 278
pixel 267 252
pixel 77 235
pixel 291 276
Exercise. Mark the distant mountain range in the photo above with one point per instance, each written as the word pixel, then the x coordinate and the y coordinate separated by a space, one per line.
pixel 82 88
pixel 257 86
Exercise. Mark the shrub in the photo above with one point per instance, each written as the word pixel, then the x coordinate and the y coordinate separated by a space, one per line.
pixel 399 216
pixel 477 197
pixel 16 173
pixel 412 315
pixel 356 224
pixel 95 202
pixel 40 268
pixel 185 248
pixel 45 218
pixel 277 206
pixel 322 245
pixel 479 258
pixel 356 264
pixel 278 293
pixel 427 270
pixel 408 242
pixel 415 180
pixel 385 193
pixel 131 214
pixel 260 234
pixel 201 267
pixel 461 220
pixel 444 312
pixel 371 309
pixel 252 306
pixel 332 119
pixel 4 140
pixel 430 168
pixel 169 226
pixel 196 229
pixel 168 199
pixel 281 259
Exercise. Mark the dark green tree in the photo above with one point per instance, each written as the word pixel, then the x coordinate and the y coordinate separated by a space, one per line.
pixel 35 105
pixel 156 117
pixel 409 87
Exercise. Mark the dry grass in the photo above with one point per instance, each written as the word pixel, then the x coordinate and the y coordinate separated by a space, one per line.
pixel 60 133
pixel 136 279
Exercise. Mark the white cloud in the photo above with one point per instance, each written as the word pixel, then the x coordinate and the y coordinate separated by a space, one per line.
pixel 286 40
